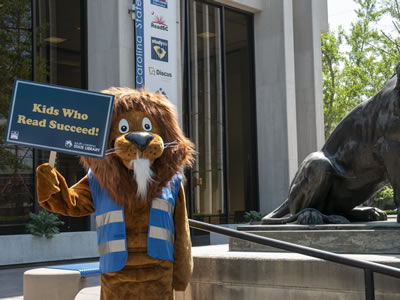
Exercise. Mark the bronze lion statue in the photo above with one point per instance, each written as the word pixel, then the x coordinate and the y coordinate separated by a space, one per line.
pixel 361 156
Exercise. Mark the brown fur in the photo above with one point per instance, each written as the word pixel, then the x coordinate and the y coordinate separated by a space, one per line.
pixel 114 176
pixel 143 277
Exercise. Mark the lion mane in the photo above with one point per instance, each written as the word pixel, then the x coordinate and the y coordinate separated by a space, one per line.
pixel 111 172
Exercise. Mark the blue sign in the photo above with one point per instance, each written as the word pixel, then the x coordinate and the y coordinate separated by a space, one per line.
pixel 58 118
pixel 161 3
pixel 139 45
pixel 159 49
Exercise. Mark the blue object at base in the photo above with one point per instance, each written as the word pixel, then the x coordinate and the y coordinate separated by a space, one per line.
pixel 86 269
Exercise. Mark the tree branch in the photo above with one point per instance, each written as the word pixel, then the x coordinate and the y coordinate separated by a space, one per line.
pixel 332 96
pixel 388 37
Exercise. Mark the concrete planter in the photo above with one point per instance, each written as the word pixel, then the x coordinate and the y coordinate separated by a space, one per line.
pixel 26 248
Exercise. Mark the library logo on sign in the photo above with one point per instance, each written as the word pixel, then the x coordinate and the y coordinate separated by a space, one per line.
pixel 158 22
pixel 161 3
pixel 162 74
pixel 14 135
pixel 159 49
pixel 162 92
pixel 68 144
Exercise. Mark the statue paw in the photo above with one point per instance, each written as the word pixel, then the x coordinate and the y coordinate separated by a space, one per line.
pixel 336 219
pixel 376 214
pixel 310 216
pixel 366 214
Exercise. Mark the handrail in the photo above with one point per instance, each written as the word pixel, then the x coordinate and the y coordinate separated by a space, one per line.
pixel 369 267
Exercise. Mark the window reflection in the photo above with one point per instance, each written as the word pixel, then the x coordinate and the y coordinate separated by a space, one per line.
pixel 207 113
pixel 224 176
pixel 59 61
pixel 59 41
pixel 242 161
pixel 16 174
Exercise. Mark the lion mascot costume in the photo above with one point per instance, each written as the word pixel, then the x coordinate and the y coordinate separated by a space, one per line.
pixel 136 193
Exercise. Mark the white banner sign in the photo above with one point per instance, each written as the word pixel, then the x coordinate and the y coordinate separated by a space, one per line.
pixel 156 53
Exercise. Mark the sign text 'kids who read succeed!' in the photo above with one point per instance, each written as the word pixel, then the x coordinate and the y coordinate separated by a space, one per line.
pixel 58 118
pixel 52 124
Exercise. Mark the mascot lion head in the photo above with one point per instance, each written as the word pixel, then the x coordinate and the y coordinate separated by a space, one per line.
pixel 145 148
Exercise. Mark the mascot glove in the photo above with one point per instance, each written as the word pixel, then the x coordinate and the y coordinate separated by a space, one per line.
pixel 47 182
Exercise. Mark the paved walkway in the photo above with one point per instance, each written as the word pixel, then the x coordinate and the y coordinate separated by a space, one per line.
pixel 11 282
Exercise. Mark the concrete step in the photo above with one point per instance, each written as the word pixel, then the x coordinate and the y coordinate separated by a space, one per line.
pixel 356 238
pixel 93 293
pixel 232 275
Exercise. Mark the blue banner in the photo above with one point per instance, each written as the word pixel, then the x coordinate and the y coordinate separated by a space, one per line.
pixel 140 64
pixel 59 119
pixel 157 48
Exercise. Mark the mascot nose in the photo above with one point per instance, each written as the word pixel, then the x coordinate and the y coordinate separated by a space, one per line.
pixel 141 139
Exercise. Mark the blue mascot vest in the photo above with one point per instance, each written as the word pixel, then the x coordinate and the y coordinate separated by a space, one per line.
pixel 110 225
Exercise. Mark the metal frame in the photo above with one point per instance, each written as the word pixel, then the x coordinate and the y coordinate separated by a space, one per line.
pixel 35 206
pixel 368 267
pixel 187 105
pixel 225 115
pixel 252 63
pixel 84 45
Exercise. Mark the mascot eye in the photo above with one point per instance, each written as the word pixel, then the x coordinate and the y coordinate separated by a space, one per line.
pixel 146 124
pixel 123 126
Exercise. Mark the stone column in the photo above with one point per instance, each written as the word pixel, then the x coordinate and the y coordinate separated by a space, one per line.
pixel 307 21
pixel 111 47
pixel 276 101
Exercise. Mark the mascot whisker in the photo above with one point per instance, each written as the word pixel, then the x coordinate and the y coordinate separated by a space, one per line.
pixel 170 144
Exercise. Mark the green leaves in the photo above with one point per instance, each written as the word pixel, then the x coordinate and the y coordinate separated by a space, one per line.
pixel 383 199
pixel 252 216
pixel 356 64
pixel 15 62
pixel 43 224
pixel 384 194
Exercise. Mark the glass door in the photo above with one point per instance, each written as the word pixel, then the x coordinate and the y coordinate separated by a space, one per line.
pixel 240 105
pixel 221 112
pixel 207 112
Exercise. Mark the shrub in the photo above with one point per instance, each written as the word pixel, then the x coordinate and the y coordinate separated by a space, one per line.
pixel 384 198
pixel 386 193
pixel 43 224
pixel 252 216
pixel 391 211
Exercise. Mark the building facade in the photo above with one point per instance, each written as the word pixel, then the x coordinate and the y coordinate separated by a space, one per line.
pixel 249 92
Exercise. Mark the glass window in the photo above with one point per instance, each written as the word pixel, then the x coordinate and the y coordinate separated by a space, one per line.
pixel 222 113
pixel 61 60
pixel 16 168
pixel 241 122
pixel 59 42
pixel 207 112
